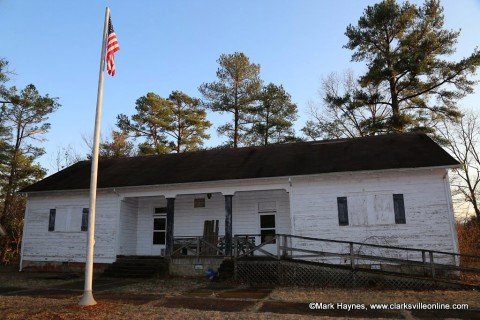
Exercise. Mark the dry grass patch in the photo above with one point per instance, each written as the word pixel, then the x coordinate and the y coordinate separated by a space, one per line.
pixel 300 294
pixel 35 280
pixel 67 309
pixel 170 286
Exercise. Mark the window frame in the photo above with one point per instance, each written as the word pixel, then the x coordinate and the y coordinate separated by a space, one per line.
pixel 260 228
pixel 68 219
pixel 159 213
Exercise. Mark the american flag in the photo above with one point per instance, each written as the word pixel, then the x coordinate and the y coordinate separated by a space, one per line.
pixel 112 47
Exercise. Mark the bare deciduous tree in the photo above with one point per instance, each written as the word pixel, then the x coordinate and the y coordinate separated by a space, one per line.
pixel 341 116
pixel 464 145
pixel 64 157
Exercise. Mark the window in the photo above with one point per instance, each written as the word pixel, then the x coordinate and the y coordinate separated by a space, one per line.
pixel 267 227
pixel 159 229
pixel 68 219
pixel 159 225
pixel 199 203
pixel 381 209
pixel 266 211
pixel 356 211
pixel 399 209
pixel 342 211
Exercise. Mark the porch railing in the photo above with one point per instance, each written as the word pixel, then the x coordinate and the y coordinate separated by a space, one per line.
pixel 353 255
pixel 361 256
pixel 199 246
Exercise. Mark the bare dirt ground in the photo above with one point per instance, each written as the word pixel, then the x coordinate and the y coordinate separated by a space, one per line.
pixel 56 296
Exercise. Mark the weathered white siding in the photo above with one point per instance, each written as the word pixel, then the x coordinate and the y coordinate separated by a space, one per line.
pixel 189 221
pixel 428 218
pixel 127 232
pixel 246 211
pixel 145 223
pixel 303 206
pixel 43 245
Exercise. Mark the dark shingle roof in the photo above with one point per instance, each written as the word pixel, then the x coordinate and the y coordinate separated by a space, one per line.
pixel 304 158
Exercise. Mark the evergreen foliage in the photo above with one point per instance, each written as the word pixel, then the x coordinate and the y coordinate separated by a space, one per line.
pixel 23 119
pixel 176 124
pixel 405 48
pixel 273 117
pixel 235 92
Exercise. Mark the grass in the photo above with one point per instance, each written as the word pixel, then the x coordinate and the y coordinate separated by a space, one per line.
pixel 472 298
pixel 119 302
pixel 13 278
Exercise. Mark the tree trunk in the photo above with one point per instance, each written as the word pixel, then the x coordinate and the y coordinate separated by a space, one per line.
pixel 236 119
pixel 397 124
pixel 235 132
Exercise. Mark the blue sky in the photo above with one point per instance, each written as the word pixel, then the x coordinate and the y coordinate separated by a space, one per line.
pixel 174 45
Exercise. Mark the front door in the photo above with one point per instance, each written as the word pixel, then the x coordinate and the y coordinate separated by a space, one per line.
pixel 159 235
pixel 267 232
pixel 267 226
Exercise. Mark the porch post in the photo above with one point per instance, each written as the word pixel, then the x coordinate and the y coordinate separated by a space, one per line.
pixel 228 225
pixel 170 220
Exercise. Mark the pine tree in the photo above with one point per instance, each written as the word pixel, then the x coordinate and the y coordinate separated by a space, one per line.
pixel 175 124
pixel 405 47
pixel 24 114
pixel 273 117
pixel 235 92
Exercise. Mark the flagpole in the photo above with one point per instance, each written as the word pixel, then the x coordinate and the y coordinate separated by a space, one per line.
pixel 87 299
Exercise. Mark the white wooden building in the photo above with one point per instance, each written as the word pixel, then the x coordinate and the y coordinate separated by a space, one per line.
pixel 390 190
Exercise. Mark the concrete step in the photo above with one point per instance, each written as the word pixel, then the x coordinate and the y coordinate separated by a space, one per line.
pixel 137 267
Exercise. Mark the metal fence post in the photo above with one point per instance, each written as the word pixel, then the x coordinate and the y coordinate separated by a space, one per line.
pixel 235 246
pixel 235 269
pixel 279 245
pixel 198 246
pixel 352 256
pixel 285 245
pixel 432 264
pixel 280 271
pixel 424 261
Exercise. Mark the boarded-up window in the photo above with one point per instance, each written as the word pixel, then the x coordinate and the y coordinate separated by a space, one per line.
pixel 199 203
pixel 267 206
pixel 370 208
pixel 160 210
pixel 357 214
pixel 342 211
pixel 381 209
pixel 399 209
pixel 68 219
pixel 85 219
pixel 51 220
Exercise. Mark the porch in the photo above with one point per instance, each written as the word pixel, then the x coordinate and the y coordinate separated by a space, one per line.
pixel 200 224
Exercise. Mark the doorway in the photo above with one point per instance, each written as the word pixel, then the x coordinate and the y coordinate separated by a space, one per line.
pixel 159 234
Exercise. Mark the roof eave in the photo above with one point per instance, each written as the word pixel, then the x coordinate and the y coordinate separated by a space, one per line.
pixel 106 189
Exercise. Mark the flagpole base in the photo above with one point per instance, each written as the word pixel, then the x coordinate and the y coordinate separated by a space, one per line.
pixel 87 299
